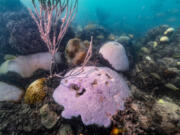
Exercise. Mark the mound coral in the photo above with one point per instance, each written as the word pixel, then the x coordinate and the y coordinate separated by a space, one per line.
pixel 10 93
pixel 115 54
pixel 96 94
pixel 76 51
pixel 25 66
pixel 35 92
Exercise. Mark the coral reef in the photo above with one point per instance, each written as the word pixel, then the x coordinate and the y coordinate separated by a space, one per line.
pixel 19 33
pixel 89 101
pixel 157 67
pixel 99 33
pixel 155 33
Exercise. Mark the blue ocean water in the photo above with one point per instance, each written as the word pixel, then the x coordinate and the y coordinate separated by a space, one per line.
pixel 133 16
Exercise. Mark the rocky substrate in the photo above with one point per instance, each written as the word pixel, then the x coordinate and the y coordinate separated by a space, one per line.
pixel 144 114
pixel 41 118
pixel 158 66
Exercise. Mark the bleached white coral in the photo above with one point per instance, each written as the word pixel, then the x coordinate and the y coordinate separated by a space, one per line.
pixel 25 66
pixel 115 54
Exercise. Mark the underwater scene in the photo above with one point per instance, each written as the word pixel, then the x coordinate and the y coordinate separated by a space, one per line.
pixel 89 67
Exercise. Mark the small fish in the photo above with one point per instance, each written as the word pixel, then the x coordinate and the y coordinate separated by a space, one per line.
pixel 117 131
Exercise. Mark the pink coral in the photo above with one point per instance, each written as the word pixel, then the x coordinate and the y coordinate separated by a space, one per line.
pixel 96 95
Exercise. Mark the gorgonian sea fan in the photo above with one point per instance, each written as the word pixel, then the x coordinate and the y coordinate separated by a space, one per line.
pixel 47 15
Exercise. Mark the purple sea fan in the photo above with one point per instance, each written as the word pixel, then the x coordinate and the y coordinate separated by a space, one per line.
pixel 95 94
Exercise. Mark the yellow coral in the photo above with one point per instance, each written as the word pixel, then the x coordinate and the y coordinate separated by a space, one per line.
pixel 155 44
pixel 169 30
pixel 161 101
pixel 164 39
pixel 35 92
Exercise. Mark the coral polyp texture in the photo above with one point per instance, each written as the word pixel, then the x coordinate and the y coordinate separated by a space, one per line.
pixel 96 94
pixel 35 92
pixel 76 51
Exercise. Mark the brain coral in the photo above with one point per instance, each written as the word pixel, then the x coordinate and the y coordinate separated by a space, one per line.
pixel 95 94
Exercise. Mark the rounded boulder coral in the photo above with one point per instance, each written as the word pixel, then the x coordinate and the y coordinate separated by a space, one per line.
pixel 96 94
pixel 76 51
pixel 115 54
pixel 35 92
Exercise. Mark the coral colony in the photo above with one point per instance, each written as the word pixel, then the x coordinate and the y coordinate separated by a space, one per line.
pixel 47 19
pixel 96 94
pixel 115 54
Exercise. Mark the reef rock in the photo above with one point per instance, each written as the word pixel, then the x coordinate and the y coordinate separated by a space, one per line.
pixel 169 112
pixel 65 130
pixel 115 54
pixel 96 94
pixel 96 31
pixel 154 33
pixel 48 117
pixel 157 67
pixel 10 93
pixel 125 40
pixel 20 33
